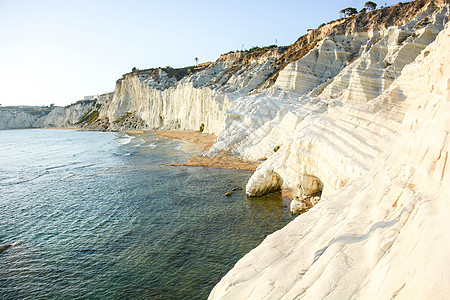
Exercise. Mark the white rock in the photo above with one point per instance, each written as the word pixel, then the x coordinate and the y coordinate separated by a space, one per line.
pixel 263 181
pixel 379 237
pixel 297 205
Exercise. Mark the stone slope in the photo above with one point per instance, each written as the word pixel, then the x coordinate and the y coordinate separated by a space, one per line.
pixel 379 236
pixel 334 132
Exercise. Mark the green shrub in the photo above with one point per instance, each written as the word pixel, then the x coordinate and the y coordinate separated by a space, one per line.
pixel 349 11
pixel 202 127
pixel 89 117
pixel 370 5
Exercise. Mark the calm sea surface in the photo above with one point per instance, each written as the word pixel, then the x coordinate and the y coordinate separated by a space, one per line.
pixel 96 215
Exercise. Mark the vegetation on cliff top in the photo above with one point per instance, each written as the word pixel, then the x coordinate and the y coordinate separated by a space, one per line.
pixel 369 18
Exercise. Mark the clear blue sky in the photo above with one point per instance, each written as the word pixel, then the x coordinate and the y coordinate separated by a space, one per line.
pixel 59 51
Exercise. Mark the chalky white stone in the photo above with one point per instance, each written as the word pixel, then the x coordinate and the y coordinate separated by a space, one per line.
pixel 381 235
pixel 263 182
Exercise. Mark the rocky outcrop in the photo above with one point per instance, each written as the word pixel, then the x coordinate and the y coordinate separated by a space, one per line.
pixel 263 182
pixel 335 131
pixel 380 236
pixel 72 115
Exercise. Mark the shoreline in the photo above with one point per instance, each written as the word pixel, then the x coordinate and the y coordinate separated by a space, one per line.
pixel 206 140
pixel 221 161
pixel 200 138
pixel 218 162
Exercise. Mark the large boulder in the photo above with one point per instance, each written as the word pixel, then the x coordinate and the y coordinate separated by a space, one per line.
pixel 263 182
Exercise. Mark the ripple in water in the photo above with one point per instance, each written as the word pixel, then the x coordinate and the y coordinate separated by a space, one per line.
pixel 79 218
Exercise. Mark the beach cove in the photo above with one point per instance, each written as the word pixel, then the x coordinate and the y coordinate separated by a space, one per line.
pixel 97 214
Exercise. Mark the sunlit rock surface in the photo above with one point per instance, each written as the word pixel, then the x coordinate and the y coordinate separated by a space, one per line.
pixel 382 235
pixel 16 118
pixel 70 115
pixel 263 182
pixel 336 137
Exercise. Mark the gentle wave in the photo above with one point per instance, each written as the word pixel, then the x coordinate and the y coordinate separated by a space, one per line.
pixel 22 180
pixel 151 146
pixel 125 139
pixel 139 142
pixel 60 166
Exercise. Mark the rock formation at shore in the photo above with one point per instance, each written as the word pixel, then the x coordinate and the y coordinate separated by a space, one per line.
pixel 356 110
pixel 382 235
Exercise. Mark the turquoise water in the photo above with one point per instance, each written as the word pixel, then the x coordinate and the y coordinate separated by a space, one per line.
pixel 97 215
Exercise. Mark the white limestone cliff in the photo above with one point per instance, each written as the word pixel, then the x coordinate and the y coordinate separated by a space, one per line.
pixel 164 102
pixel 20 117
pixel 71 115
pixel 67 116
pixel 16 119
pixel 382 235
pixel 335 138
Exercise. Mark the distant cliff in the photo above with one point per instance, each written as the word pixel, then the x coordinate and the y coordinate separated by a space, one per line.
pixel 71 116
pixel 76 114
pixel 17 117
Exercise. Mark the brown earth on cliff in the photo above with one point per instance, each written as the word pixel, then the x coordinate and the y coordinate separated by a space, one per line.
pixel 382 18
pixel 379 19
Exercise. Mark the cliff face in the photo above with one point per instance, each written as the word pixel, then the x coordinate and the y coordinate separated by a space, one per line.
pixel 380 236
pixel 19 117
pixel 72 115
pixel 155 99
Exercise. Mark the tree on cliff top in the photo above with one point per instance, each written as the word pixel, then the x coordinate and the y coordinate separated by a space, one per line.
pixel 349 11
pixel 370 5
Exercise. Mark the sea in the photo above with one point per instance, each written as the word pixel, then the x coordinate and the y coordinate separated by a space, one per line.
pixel 100 215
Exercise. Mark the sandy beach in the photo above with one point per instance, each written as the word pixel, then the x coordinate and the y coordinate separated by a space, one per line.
pixel 201 138
pixel 220 162
pixel 207 140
